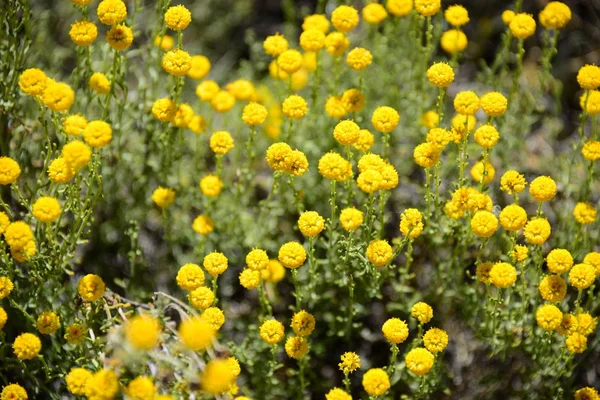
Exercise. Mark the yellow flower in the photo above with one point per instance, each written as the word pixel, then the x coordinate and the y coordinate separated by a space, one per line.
pixel 74 124
pixel 334 107
pixel 274 272
pixel 376 381
pixel 183 116
pixel 519 253
pixel 296 347
pixel 97 134
pixel 430 119
pixel 215 317
pixel 18 234
pixel 359 59
pixel 211 185
pixel 207 90
pixel 346 132
pixel 119 37
pixel 588 77
pixel 466 103
pixel 553 288
pixel 486 136
pixel 303 323
pixel 337 394
pixel 33 81
pixel 103 384
pixel 542 188
pixel 312 40
pixel 250 279
pixel 365 140
pixel 592 259
pixel 217 377
pixel 178 17
pixel 522 26
pixel 47 322
pixel 395 330
pixel 374 13
pixel 311 223
pixel 9 171
pixel 196 334
pixel 278 156
pixel 591 150
pixel 586 324
pixel 141 388
pixel 494 104
pixel 46 209
pixel 353 100
pixel 513 217
pixel 164 109
pixel 585 213
pixel 272 331
pixel 254 114
pixel 163 197
pixel 548 317
pixel 76 153
pixel 334 167
pixel 385 119
pixel 76 380
pixel 336 43
pixel 419 361
pixel 484 224
pixel 316 21
pixel 292 255
pixel 576 343
pixel 201 298
pixel 75 333
pixel 60 171
pixel 294 107
pixel 426 155
pixel 290 61
pixel 587 393
pixel 453 41
pixel 200 67
pixel 58 96
pixel 99 83
pixel 350 362
pixel 275 45
pixel 257 260
pixel 503 275
pixel 427 8
pixel 111 12
pixel 369 181
pixel 177 62
pixel 456 15
pixel 582 276
pixel 569 325
pixel 537 230
pixel 422 312
pixel 344 18
pixel 411 223
pixel 190 277
pixel 512 182
pixel 241 89
pixel 399 8
pixel 91 287
pixel 351 218
pixel 197 124
pixel 483 272
pixel 559 261
pixel 13 391
pixel 26 346
pixel 221 142
pixel 435 340
pixel 83 33
pixel 165 42
pixel 440 74
pixel 215 263
pixel 143 332
pixel 461 126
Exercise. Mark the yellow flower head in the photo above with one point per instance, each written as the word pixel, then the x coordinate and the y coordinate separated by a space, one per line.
pixel 585 213
pixel 359 59
pixel 190 277
pixel 200 67
pixel 569 325
pixel 376 382
pixel 18 234
pixel 33 81
pixel 60 171
pixel 513 217
pixel 422 312
pixel 76 380
pixel 278 156
pixel 91 287
pixel 274 272
pixel 311 223
pixel 76 153
pixel 507 16
pixel 290 61
pixel 419 361
pixel 296 347
pixel 379 252
pixel 26 346
pixel 369 181
pixel 9 171
pixel 336 43
pixel 183 116
pixel 254 114
pixel 456 15
pixel 241 89
pixel 486 136
pixel 346 132
pixel 222 101
pixel 141 388
pixel 303 323
pixel 196 334
pixel 435 340
pixel 217 377
pixel 351 218
pixel 312 40
pixel 316 21
pixel 374 13
pixel 542 188
pixel 353 100
pixel 344 18
pixel 582 276
pixel 164 109
pixel 411 223
pixel 548 317
pixel 111 12
pixel 211 185
pixel 335 167
pixel 588 77
pixel 426 155
pixel 586 393
pixel 74 124
pixel 399 8
pixel 576 343
pixel 553 288
pixel 119 37
pixel 483 272
pixel 201 298
pixel 83 33
pixel 165 42
pixel 484 224
pixel 350 362
pixel 522 26
pixel 275 45
pixel 395 330
pixel 334 107
pixel 537 231
pixel 503 275
pixel 99 83
pixel 365 141
pixel 466 103
pixel 75 333
pixel 221 142
pixel 337 394
pixel 207 90
pixel 454 41
pixel 46 209
pixel 294 107
pixel 177 62
pixel 593 259
pixel 97 134
pixel 428 8
pixel 292 255
pixel 47 322
pixel 272 331
pixel 58 96
pixel 215 263
pixel 591 150
pixel 163 197
pixel 512 182
pixel 440 74
pixel 298 163
pixel 385 119
pixel 215 317
pixel 13 391
pixel 494 104
pixel 142 332
pixel 430 119
pixel 203 225
pixel 103 384
pixel 250 279
pixel 257 260
pixel 586 324
pixel 519 253
pixel 178 17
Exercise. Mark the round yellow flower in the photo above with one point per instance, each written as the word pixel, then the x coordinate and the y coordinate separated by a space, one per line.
pixel 190 277
pixel 303 323
pixel 46 209
pixel 47 322
pixel 75 334
pixel 178 17
pixel 411 223
pixel 215 263
pixel 312 40
pixel 576 343
pixel 9 171
pixel 13 391
pixel 435 340
pixel 177 62
pixel 4 222
pixel 503 275
pixel 290 61
pixel 553 288
pixel 103 384
pixel 559 261
pixel 346 132
pixel 456 15
pixel 334 107
pixel 430 119
pixel 257 260
pixel 365 140
pixel 250 279
pixel 275 272
pixel 6 286
pixel 311 223
pixel 83 33
pixel 483 272
pixel 440 74
pixel 200 67
pixel 221 142
pixel 334 167
pixel 569 325
pixel 426 155
pixel 350 362
pixel 419 361
pixel 99 83
pixel 111 12
pixel 207 90
pixel 254 114
pixel 143 332
pixel 493 104
pixel 374 13
pixel 585 213
pixel 119 37
pixel 399 8
pixel 97 134
pixel 586 324
pixel 164 109
pixel 296 347
pixel 163 197
pixel 507 16
pixel 466 103
pixel 294 107
pixel 74 124
pixel 587 393
pixel 211 185
pixel 548 317
pixel 359 59
pixel 18 234
pixel 91 287
pixel 376 382
pixel 512 182
pixel 478 171
pixel 395 330
pixel 353 100
pixel 222 101
pixel 344 18
pixel 141 388
pixel 582 276
pixel 588 77
pixel 165 42
pixel 556 15
pixel 58 96
pixel 201 298
pixel 513 217
pixel 336 43
pixel 369 181
pixel 272 331
pixel 196 334
pixel 591 150
pixel 422 312
pixel 537 231
pixel 542 188
pixel 484 224
pixel 33 81
pixel 241 89
pixel 183 116
pixel 76 380
pixel 215 317
pixel 275 45
pixel 351 218
pixel 428 8
pixel 316 21
pixel 76 154
pixel 486 136
pixel 60 171
pixel 522 26
pixel 337 394
pixel 593 259
pixel 292 255
pixel 385 119
pixel 26 346
pixel 453 41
